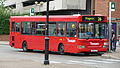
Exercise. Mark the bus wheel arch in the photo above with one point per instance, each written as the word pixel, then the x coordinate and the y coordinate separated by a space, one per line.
pixel 61 48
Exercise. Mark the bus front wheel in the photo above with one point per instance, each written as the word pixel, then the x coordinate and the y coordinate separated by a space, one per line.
pixel 61 49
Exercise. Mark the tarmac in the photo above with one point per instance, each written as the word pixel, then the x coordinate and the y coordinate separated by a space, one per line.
pixel 25 63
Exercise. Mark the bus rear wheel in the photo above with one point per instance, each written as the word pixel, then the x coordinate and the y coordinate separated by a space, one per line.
pixel 25 47
pixel 61 49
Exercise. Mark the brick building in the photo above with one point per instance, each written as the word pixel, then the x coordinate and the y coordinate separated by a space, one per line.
pixel 102 7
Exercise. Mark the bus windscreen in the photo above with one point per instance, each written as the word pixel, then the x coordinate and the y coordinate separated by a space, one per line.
pixel 92 30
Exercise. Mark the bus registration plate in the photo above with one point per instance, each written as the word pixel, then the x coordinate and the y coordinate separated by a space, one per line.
pixel 94 50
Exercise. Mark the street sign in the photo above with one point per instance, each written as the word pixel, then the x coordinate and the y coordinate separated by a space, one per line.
pixel 32 11
pixel 112 6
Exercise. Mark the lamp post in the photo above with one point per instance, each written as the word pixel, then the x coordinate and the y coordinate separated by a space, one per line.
pixel 46 61
pixel 110 27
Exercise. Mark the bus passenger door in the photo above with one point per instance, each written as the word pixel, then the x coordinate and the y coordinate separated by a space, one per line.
pixel 17 35
pixel 71 36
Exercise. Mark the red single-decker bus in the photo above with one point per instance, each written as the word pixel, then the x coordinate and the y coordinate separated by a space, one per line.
pixel 71 34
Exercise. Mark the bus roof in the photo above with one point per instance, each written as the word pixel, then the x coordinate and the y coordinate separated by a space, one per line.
pixel 54 16
pixel 61 16
pixel 51 18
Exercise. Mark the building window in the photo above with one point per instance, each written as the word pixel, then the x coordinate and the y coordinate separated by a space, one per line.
pixel 28 3
pixel 119 29
pixel 12 6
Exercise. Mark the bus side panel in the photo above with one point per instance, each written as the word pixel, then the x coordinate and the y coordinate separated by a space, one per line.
pixel 53 43
pixel 56 41
pixel 71 48
pixel 34 42
pixel 71 45
pixel 17 42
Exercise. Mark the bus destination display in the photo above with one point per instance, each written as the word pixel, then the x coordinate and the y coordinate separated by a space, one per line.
pixel 92 18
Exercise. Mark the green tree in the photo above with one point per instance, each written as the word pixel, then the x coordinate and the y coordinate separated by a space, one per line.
pixel 5 13
pixel 4 18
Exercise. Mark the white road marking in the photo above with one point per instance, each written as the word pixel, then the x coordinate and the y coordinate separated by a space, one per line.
pixel 111 60
pixel 81 62
pixel 98 61
pixel 55 62
pixel 90 62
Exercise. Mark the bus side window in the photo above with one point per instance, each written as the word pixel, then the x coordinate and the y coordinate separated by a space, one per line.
pixel 52 28
pixel 13 26
pixel 61 28
pixel 17 27
pixel 71 29
pixel 26 28
pixel 33 28
pixel 40 28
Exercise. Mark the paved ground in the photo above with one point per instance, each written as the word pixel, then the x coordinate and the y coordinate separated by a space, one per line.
pixel 19 59
pixel 113 54
pixel 23 63
pixel 110 55
pixel 13 58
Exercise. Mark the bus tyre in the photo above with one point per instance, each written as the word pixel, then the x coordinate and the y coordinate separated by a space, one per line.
pixel 87 54
pixel 61 49
pixel 25 47
pixel 100 53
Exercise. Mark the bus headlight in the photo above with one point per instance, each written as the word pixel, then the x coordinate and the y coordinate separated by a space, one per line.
pixel 105 46
pixel 105 43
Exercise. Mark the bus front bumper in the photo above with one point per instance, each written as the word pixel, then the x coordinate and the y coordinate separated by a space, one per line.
pixel 81 50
